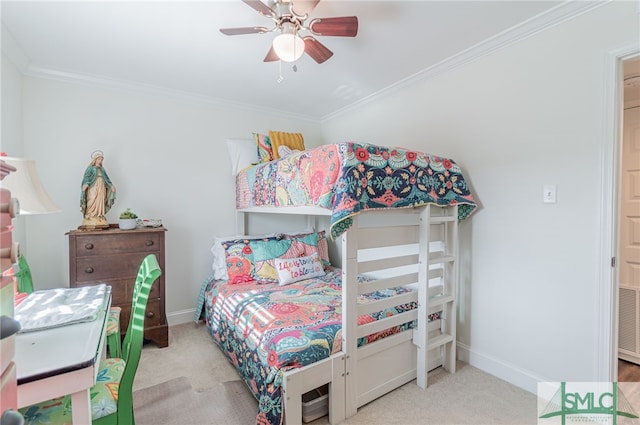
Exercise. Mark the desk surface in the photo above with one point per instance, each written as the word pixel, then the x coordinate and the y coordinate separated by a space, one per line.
pixel 44 353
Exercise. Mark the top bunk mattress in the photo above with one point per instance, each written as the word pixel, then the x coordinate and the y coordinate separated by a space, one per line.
pixel 347 178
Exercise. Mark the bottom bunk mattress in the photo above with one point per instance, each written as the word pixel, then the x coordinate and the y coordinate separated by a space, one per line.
pixel 267 329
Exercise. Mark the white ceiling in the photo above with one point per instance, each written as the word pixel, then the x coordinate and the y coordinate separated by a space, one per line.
pixel 176 46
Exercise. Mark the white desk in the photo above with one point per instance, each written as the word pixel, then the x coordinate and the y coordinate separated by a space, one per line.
pixel 59 361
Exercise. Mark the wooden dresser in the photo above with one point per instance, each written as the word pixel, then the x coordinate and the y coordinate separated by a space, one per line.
pixel 113 256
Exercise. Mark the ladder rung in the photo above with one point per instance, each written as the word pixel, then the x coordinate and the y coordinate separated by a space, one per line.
pixel 443 219
pixel 434 258
pixel 439 341
pixel 440 300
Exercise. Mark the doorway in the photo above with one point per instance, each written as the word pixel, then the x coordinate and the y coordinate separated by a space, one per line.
pixel 627 273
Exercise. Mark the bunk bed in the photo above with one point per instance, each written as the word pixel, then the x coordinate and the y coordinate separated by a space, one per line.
pixel 385 317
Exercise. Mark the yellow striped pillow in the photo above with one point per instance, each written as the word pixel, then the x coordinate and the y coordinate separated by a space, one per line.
pixel 280 138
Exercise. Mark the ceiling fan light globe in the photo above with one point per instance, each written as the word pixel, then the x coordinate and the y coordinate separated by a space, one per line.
pixel 288 47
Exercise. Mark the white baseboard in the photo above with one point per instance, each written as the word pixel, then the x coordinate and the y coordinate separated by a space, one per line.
pixel 180 317
pixel 499 368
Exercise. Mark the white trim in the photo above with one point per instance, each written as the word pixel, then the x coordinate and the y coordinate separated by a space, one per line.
pixel 181 316
pixel 111 83
pixel 508 372
pixel 552 17
pixel 12 51
pixel 606 299
pixel 311 210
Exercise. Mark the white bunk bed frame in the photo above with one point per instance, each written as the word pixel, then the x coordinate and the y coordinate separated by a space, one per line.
pixel 416 247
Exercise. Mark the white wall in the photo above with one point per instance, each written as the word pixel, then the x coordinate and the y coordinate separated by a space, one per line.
pixel 11 129
pixel 167 158
pixel 11 108
pixel 525 116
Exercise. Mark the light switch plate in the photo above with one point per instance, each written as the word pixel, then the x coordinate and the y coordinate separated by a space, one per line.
pixel 549 194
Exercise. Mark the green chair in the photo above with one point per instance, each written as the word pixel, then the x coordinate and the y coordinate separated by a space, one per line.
pixel 25 285
pixel 112 396
pixel 23 276
pixel 113 332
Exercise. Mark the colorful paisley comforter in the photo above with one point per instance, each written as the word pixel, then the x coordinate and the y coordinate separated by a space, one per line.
pixel 350 177
pixel 266 329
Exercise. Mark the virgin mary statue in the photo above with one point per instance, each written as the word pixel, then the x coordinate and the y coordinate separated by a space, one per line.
pixel 98 194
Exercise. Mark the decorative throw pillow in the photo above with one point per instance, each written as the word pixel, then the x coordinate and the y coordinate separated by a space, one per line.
pixel 320 244
pixel 323 248
pixel 280 138
pixel 285 151
pixel 292 270
pixel 240 260
pixel 265 149
pixel 266 251
pixel 219 265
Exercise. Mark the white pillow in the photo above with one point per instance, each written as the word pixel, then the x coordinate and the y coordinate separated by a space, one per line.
pixel 295 269
pixel 242 153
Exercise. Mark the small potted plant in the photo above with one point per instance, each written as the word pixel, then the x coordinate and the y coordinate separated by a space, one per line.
pixel 128 220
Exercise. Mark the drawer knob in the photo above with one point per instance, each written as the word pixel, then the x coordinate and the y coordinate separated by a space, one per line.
pixel 149 242
pixel 88 245
pixel 88 270
pixel 150 314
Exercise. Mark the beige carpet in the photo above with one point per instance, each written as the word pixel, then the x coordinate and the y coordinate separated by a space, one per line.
pixel 468 397
pixel 176 402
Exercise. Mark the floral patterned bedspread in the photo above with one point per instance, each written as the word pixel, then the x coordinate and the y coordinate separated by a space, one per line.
pixel 265 330
pixel 350 177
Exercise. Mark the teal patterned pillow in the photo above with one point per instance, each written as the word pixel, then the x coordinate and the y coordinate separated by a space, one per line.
pixel 239 259
pixel 265 252
pixel 254 259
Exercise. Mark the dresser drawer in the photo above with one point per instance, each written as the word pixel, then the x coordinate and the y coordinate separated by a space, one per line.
pixel 153 315
pixel 94 245
pixel 106 267
pixel 122 290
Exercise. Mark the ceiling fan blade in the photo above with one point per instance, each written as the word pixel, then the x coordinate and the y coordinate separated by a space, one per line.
pixel 318 51
pixel 346 26
pixel 262 8
pixel 271 56
pixel 244 30
pixel 302 7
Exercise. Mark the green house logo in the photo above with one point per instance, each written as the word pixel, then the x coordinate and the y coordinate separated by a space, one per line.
pixel 584 402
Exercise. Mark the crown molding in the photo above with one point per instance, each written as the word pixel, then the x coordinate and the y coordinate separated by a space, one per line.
pixel 129 86
pixel 13 52
pixel 539 23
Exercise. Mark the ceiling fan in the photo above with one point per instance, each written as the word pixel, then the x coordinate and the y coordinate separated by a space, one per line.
pixel 289 17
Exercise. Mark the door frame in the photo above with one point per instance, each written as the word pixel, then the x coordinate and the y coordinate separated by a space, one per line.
pixel 610 148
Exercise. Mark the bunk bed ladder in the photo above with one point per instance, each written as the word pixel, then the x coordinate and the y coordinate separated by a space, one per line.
pixel 438 282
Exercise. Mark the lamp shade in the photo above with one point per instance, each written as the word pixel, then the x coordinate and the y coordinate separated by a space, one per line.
pixel 25 185
pixel 288 45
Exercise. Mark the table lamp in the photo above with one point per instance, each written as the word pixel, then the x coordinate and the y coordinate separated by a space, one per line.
pixel 27 197
pixel 25 185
